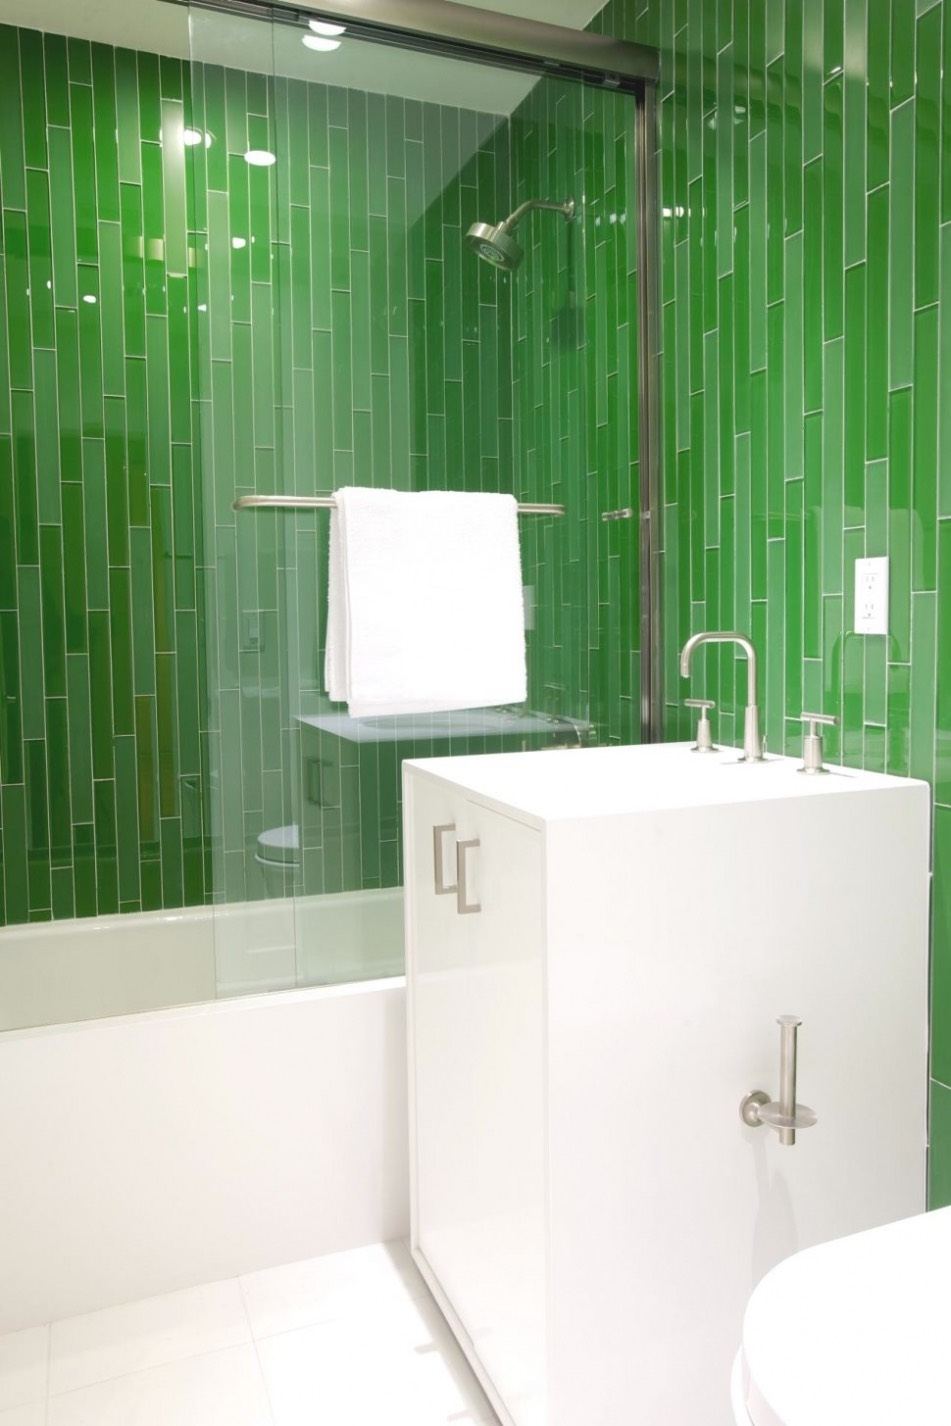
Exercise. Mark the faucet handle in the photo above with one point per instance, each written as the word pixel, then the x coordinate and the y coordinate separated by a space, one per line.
pixel 812 740
pixel 704 743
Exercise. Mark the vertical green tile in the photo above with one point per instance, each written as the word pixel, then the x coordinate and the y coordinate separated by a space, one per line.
pixel 39 247
pixel 33 95
pixel 24 478
pixel 901 246
pixel 11 728
pixel 942 787
pixel 106 128
pixel 939 1156
pixel 18 303
pixel 63 234
pixel 900 521
pixel 53 627
pixel 855 85
pixel 84 172
pixel 927 155
pixel 877 52
pixel 855 394
pixel 11 121
pixel 902 51
pixel 832 210
pixel 925 449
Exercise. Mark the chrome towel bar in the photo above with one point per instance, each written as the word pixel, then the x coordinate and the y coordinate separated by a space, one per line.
pixel 326 502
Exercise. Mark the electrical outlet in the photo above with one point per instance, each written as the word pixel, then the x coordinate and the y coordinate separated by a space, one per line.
pixel 871 596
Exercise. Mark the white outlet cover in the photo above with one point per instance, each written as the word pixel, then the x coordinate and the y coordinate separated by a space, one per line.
pixel 871 596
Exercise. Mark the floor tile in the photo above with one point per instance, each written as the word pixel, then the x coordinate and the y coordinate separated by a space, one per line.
pixel 119 1340
pixel 321 1289
pixel 33 1415
pixel 24 1358
pixel 397 1365
pixel 219 1389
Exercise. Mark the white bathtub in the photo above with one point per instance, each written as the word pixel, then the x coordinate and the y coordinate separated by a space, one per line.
pixel 57 972
pixel 155 1150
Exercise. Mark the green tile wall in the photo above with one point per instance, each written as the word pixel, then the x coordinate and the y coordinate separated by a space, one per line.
pixel 345 336
pixel 101 775
pixel 374 347
pixel 179 328
pixel 805 168
pixel 575 388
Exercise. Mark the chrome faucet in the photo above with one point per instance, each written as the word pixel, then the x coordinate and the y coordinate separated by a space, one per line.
pixel 752 742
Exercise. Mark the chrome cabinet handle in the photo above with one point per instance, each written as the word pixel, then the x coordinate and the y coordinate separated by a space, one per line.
pixel 784 1115
pixel 439 863
pixel 464 906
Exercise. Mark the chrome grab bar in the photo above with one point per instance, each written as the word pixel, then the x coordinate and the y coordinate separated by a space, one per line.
pixel 327 502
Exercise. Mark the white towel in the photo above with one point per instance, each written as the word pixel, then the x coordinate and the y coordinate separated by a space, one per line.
pixel 425 602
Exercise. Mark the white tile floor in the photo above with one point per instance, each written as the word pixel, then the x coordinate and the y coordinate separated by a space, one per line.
pixel 348 1340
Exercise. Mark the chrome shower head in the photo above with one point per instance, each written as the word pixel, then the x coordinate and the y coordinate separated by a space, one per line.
pixel 494 242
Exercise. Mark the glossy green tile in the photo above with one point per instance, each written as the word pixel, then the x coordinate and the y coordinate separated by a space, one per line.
pixel 127 116
pixel 8 558
pixel 902 51
pixel 939 1157
pixel 878 92
pixel 90 352
pixel 62 234
pixel 107 878
pixel 39 248
pixel 876 318
pixel 901 246
pixel 84 172
pixel 11 121
pixel 832 210
pixel 53 630
pixel 855 394
pixel 106 130
pixel 16 263
pixel 925 449
pixel 927 155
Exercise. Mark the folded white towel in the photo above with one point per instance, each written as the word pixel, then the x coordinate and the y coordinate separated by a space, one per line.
pixel 425 602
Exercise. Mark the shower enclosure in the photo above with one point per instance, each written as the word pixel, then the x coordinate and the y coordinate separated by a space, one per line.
pixel 313 249
pixel 347 333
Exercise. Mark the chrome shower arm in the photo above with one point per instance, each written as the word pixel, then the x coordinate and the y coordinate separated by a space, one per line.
pixel 566 209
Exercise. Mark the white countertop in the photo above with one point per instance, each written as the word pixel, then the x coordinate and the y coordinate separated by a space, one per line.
pixel 555 784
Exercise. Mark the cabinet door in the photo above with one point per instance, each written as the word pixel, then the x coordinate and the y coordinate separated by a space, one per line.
pixel 477 1050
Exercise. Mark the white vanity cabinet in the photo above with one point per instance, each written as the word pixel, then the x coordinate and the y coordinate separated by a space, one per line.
pixel 599 944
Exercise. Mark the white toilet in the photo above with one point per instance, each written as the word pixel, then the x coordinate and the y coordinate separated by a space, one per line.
pixel 278 855
pixel 853 1333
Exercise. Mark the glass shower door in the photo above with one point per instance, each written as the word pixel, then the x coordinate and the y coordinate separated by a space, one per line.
pixel 349 334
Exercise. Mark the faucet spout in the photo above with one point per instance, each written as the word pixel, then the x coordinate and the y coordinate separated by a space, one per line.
pixel 752 741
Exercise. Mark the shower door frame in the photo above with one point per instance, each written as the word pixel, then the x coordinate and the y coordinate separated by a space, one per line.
pixel 466 32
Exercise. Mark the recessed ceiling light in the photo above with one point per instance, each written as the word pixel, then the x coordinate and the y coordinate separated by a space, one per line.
pixel 239 242
pixel 260 158
pixel 318 42
pixel 88 297
pixel 192 137
pixel 324 27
